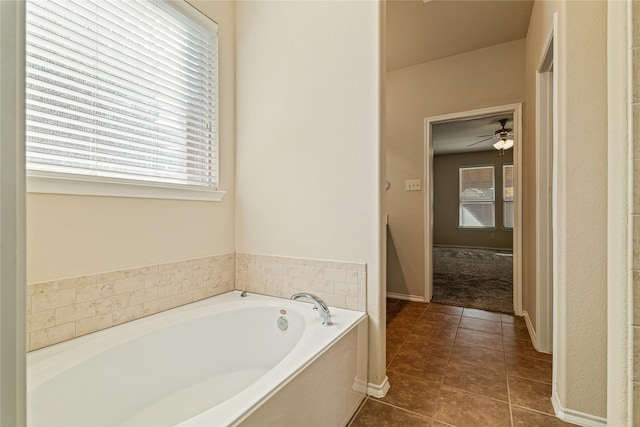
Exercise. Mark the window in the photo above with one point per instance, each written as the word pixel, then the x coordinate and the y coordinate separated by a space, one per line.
pixel 477 197
pixel 121 93
pixel 507 195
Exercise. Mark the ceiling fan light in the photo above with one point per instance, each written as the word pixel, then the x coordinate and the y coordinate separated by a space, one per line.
pixel 503 144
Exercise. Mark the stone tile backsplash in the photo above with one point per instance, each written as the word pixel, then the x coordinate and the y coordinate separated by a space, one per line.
pixel 60 310
pixel 63 309
pixel 340 284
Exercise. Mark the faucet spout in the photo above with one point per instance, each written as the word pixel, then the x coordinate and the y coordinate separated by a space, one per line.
pixel 318 305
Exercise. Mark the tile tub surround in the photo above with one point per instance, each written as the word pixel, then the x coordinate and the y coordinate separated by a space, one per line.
pixel 340 284
pixel 60 310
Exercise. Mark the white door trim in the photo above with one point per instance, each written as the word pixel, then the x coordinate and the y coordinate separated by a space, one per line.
pixel 12 216
pixel 546 145
pixel 516 110
pixel 620 306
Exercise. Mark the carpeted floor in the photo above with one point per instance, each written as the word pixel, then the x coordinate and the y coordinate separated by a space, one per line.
pixel 475 278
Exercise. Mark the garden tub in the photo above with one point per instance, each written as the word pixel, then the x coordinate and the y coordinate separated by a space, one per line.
pixel 217 362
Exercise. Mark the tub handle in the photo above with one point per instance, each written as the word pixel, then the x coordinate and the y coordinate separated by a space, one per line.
pixel 318 305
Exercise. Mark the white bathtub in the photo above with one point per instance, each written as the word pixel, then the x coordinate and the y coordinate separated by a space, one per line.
pixel 218 362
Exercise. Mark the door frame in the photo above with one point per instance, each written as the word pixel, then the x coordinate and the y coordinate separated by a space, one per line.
pixel 516 110
pixel 13 216
pixel 546 193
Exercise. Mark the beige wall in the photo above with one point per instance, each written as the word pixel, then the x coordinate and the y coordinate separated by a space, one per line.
pixel 581 354
pixel 446 201
pixel 308 139
pixel 459 83
pixel 77 235
pixel 540 28
pixel 586 190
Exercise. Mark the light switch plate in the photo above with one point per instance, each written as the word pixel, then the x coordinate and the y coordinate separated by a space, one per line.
pixel 413 185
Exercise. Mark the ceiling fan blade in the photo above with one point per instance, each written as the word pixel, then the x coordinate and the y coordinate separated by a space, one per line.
pixel 484 136
pixel 478 142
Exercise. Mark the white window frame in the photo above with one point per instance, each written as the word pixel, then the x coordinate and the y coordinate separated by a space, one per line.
pixel 461 203
pixel 58 183
pixel 507 199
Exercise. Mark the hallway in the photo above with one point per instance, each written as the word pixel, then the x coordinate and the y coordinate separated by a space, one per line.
pixel 450 366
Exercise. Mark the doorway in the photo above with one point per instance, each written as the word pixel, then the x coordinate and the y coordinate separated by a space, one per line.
pixel 470 213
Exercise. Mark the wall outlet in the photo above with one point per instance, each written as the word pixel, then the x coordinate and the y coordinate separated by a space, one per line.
pixel 413 185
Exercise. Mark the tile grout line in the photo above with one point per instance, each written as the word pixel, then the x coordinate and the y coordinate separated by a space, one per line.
pixel 530 379
pixel 405 339
pixel 435 406
pixel 355 415
pixel 506 371
pixel 448 358
pixel 508 401
pixel 534 410
pixel 389 364
pixel 402 409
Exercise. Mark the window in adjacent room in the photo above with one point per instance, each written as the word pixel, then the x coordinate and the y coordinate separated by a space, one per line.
pixel 507 195
pixel 121 99
pixel 477 197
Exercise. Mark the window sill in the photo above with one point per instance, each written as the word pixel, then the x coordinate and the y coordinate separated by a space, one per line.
pixel 477 228
pixel 105 188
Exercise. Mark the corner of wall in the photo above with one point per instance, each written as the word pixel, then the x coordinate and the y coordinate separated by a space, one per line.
pixel 623 319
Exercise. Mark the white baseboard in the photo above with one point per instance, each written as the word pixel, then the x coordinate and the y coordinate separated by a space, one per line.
pixel 379 390
pixel 575 417
pixel 532 332
pixel 531 329
pixel 360 386
pixel 474 247
pixel 404 297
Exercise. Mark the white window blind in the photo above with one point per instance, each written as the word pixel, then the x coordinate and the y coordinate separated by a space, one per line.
pixel 122 91
pixel 477 197
pixel 507 195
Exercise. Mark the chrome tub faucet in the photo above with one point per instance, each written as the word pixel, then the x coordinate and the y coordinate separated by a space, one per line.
pixel 318 305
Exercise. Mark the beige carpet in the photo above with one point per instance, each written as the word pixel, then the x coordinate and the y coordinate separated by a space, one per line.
pixel 475 278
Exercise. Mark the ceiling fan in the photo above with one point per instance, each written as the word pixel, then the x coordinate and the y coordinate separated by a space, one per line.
pixel 504 135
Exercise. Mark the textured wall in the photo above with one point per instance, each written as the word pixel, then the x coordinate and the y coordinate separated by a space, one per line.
pixel 459 83
pixel 635 204
pixel 581 270
pixel 308 139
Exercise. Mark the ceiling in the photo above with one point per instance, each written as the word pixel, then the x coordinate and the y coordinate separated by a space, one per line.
pixel 419 31
pixel 456 136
